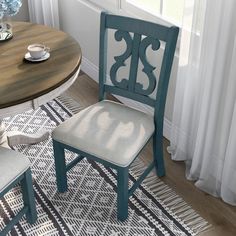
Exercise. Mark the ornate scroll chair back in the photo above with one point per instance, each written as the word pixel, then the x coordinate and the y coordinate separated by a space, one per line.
pixel 14 169
pixel 112 133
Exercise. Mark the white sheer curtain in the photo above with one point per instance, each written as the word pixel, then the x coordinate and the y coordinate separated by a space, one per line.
pixel 204 120
pixel 44 12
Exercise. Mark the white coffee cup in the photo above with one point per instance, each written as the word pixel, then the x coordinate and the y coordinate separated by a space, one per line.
pixel 37 50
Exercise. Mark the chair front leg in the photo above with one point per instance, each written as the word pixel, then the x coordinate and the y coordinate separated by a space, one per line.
pixel 28 197
pixel 60 165
pixel 158 154
pixel 122 193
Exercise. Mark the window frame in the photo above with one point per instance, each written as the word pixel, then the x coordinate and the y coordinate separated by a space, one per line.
pixel 132 10
pixel 122 7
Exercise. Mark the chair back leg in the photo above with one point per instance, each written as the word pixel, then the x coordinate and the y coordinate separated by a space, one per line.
pixel 28 197
pixel 158 154
pixel 122 193
pixel 60 165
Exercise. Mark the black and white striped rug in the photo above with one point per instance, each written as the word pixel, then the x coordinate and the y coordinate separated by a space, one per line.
pixel 89 206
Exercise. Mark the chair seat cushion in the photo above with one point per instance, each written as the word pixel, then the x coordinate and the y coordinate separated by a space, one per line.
pixel 108 130
pixel 12 165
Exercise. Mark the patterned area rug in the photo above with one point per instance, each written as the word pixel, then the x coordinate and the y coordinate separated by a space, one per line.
pixel 89 207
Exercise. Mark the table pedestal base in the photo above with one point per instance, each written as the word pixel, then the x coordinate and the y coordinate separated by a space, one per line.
pixel 12 138
pixel 16 137
pixel 3 136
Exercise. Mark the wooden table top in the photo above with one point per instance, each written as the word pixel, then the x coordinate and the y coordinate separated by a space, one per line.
pixel 22 81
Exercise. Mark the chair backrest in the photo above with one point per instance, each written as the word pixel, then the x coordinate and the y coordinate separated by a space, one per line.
pixel 144 34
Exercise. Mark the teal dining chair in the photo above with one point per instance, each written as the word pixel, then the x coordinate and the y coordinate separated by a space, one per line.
pixel 112 133
pixel 15 169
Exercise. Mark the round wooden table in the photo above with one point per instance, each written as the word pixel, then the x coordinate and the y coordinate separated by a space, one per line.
pixel 26 85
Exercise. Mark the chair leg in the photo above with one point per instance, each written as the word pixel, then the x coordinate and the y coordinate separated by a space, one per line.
pixel 28 197
pixel 60 165
pixel 122 193
pixel 158 155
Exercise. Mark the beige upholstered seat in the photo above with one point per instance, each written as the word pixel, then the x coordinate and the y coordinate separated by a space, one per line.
pixel 12 165
pixel 104 131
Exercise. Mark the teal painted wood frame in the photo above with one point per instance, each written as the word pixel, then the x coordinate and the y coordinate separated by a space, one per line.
pixel 29 208
pixel 144 34
pixel 155 33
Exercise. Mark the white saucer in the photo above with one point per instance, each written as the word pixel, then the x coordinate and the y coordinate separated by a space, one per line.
pixel 29 58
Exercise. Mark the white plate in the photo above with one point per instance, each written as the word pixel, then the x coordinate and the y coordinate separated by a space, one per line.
pixel 29 58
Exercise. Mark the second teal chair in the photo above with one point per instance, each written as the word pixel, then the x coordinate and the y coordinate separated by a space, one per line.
pixel 112 133
pixel 15 169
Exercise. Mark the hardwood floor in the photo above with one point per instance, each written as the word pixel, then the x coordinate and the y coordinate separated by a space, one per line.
pixel 220 215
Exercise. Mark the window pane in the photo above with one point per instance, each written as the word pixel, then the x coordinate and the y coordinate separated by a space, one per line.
pixel 173 10
pixel 170 10
pixel 152 6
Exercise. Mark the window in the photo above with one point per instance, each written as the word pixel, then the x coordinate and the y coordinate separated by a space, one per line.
pixel 160 11
pixel 168 11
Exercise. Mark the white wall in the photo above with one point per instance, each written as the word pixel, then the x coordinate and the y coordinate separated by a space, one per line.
pixel 81 19
pixel 23 14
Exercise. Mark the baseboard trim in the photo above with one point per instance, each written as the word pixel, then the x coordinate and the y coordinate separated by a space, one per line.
pixel 92 71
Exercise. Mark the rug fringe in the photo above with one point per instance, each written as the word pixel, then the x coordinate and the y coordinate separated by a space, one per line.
pixel 134 201
pixel 70 103
pixel 175 205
